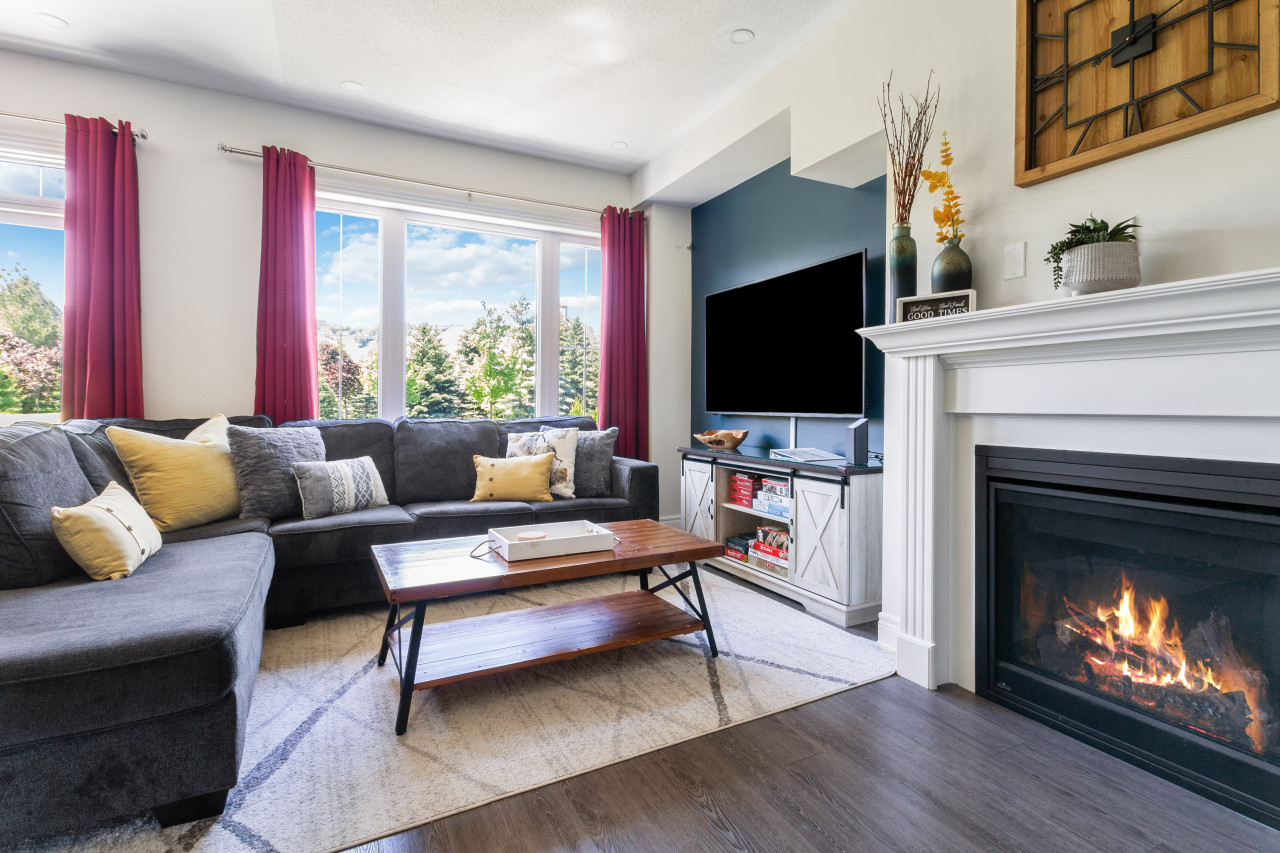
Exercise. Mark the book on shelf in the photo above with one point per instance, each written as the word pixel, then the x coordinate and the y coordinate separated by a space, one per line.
pixel 775 536
pixel 771 551
pixel 756 561
pixel 779 510
pixel 773 499
pixel 735 553
pixel 739 542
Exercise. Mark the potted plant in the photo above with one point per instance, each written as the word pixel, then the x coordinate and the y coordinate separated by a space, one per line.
pixel 1095 257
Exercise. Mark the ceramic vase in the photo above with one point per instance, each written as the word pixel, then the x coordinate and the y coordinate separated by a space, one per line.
pixel 952 270
pixel 902 267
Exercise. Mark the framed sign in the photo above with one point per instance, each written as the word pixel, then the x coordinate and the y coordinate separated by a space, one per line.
pixel 937 305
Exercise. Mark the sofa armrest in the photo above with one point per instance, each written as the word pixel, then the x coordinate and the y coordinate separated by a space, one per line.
pixel 637 483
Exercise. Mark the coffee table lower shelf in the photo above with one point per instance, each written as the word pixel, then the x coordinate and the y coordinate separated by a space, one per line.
pixel 499 642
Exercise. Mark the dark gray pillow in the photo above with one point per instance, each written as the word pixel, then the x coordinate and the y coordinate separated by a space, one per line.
pixel 97 455
pixel 38 471
pixel 332 488
pixel 593 468
pixel 263 459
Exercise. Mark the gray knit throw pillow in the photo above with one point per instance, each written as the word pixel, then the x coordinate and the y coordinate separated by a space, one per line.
pixel 263 459
pixel 593 467
pixel 332 488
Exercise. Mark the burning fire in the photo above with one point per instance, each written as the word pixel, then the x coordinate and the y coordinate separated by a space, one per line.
pixel 1135 648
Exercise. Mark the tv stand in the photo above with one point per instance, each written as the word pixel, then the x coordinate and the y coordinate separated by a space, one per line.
pixel 834 521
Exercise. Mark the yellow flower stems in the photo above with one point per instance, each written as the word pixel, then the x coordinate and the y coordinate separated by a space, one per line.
pixel 947 217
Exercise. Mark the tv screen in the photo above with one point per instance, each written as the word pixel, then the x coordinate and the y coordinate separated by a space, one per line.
pixel 787 345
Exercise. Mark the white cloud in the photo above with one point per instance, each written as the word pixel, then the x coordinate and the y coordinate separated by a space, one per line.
pixel 439 262
pixel 357 263
pixel 11 253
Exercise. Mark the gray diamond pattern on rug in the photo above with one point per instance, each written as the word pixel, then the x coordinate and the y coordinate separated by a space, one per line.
pixel 323 769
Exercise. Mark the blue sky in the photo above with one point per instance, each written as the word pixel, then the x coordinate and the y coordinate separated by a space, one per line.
pixel 449 273
pixel 39 252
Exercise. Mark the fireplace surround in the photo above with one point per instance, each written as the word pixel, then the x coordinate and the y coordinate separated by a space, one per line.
pixel 1131 602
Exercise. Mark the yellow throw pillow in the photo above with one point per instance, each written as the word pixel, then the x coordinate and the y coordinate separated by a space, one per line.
pixel 520 478
pixel 109 536
pixel 181 482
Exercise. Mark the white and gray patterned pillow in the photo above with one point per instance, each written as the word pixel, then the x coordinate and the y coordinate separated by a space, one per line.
pixel 562 442
pixel 332 488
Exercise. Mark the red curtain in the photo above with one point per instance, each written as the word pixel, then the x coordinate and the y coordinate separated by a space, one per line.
pixel 287 384
pixel 101 326
pixel 624 350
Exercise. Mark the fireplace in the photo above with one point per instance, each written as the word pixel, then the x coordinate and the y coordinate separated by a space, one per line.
pixel 1134 602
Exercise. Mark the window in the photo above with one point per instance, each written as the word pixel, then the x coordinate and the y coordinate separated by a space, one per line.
pixel 31 286
pixel 437 314
pixel 579 330
pixel 469 305
pixel 348 261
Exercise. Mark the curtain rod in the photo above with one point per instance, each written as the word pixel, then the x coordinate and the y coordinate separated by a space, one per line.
pixel 244 152
pixel 137 134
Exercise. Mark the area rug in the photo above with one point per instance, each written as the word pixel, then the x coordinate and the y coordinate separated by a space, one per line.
pixel 323 770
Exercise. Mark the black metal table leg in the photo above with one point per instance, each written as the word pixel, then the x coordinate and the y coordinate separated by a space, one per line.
pixel 386 634
pixel 409 672
pixel 702 608
pixel 644 579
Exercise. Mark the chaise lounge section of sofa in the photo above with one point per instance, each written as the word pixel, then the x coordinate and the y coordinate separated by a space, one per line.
pixel 128 695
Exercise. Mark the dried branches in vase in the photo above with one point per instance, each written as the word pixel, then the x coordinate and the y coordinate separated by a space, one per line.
pixel 907 129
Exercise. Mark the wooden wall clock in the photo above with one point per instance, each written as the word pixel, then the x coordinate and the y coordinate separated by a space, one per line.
pixel 1099 79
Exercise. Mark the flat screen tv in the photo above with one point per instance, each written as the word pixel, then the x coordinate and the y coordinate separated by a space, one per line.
pixel 787 346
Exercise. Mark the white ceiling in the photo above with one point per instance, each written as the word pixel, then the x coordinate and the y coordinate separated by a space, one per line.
pixel 558 78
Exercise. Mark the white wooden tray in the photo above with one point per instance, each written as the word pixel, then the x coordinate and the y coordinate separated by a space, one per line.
pixel 562 537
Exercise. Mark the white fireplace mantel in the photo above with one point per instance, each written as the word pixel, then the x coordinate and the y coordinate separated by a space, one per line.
pixel 1187 369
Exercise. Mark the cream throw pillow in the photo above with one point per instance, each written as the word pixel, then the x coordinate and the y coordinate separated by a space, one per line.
pixel 562 442
pixel 181 483
pixel 109 536
pixel 524 478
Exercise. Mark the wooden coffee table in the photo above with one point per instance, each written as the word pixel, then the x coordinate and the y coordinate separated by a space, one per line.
pixel 414 573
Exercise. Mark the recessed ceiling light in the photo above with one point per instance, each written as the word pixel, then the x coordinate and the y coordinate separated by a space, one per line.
pixel 51 20
pixel 741 36
pixel 351 86
pixel 620 145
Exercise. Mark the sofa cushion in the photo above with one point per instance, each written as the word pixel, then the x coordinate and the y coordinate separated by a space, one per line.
pixel 337 487
pixel 580 422
pixel 433 458
pixel 599 510
pixel 181 427
pixel 593 462
pixel 97 455
pixel 80 656
pixel 38 471
pixel 214 529
pixel 263 460
pixel 313 541
pixel 445 519
pixel 352 439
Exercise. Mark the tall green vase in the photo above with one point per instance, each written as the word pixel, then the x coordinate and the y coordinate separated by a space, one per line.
pixel 952 269
pixel 902 267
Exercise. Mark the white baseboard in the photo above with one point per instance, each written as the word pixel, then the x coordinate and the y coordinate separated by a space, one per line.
pixel 671 521
pixel 915 661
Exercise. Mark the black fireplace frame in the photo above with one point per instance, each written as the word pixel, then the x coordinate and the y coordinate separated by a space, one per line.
pixel 1241 782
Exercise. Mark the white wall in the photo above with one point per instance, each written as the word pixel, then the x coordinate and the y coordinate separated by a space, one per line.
pixel 200 211
pixel 1206 204
pixel 670 345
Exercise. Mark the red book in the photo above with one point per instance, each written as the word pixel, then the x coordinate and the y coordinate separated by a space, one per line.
pixel 770 550
pixel 746 493
pixel 736 554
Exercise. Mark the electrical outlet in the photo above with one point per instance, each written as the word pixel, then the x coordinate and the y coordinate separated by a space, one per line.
pixel 1015 261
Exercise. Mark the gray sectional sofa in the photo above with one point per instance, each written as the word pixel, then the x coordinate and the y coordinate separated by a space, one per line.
pixel 118 696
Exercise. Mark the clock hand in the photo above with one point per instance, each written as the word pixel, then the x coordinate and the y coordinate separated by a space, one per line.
pixel 1129 39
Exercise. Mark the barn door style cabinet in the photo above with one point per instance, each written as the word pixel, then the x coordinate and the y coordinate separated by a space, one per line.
pixel 832 514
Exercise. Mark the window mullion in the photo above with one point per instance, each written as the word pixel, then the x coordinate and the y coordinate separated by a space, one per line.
pixel 548 370
pixel 392 344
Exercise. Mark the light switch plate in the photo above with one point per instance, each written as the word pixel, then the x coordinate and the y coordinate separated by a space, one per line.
pixel 1015 261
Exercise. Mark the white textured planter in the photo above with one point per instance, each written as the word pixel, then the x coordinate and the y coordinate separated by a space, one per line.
pixel 1098 267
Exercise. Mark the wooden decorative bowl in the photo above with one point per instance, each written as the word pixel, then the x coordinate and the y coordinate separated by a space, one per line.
pixel 722 439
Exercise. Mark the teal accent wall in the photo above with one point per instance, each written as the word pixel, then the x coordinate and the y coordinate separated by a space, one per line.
pixel 768 225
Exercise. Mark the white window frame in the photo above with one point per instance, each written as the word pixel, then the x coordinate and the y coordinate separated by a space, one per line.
pixel 395 215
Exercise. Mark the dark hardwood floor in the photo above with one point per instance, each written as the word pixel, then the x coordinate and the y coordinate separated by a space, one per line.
pixel 885 767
